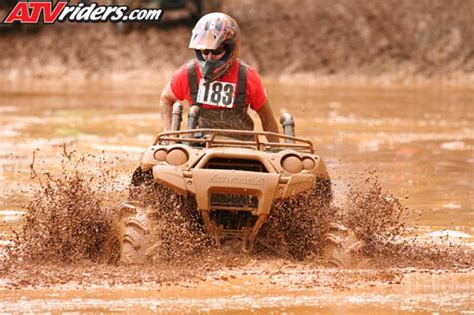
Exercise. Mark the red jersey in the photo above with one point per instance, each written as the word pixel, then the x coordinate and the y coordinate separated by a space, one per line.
pixel 256 95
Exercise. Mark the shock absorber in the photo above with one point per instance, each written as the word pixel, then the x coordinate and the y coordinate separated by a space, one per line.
pixel 288 125
pixel 177 116
pixel 193 117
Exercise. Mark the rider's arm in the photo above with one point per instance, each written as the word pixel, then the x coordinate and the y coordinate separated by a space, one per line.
pixel 268 120
pixel 167 100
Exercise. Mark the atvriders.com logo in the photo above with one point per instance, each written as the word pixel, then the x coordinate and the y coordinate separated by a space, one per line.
pixel 32 12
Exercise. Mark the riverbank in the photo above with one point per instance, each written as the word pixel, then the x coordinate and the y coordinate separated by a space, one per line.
pixel 387 43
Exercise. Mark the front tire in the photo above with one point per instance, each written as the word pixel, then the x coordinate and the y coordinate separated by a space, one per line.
pixel 135 239
pixel 130 238
pixel 343 248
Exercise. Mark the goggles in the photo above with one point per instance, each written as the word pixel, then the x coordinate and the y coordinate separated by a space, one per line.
pixel 214 52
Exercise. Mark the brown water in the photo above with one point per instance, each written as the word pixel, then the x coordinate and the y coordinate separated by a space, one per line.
pixel 420 141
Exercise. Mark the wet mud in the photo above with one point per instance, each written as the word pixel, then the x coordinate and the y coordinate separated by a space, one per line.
pixel 413 213
pixel 66 225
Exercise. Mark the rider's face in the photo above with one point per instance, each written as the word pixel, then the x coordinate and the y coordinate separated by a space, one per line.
pixel 215 54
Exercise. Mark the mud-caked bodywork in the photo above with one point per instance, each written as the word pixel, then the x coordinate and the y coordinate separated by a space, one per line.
pixel 234 182
pixel 213 187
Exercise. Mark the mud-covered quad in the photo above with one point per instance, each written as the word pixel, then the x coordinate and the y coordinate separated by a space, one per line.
pixel 230 184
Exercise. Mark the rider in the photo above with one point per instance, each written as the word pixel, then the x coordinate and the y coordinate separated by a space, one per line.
pixel 217 81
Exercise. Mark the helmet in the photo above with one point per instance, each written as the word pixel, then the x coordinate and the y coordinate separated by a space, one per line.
pixel 211 32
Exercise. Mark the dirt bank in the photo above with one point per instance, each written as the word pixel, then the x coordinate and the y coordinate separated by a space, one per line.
pixel 343 40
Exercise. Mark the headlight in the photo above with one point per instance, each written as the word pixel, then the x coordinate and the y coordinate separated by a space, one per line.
pixel 308 163
pixel 177 157
pixel 160 155
pixel 292 164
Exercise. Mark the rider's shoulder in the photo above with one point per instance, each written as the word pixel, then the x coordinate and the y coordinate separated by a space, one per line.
pixel 251 71
pixel 182 71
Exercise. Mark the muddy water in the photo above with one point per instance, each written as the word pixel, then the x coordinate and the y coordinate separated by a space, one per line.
pixel 420 141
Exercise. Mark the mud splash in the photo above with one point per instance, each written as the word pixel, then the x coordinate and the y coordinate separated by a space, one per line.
pixel 380 219
pixel 69 218
pixel 297 226
pixel 177 230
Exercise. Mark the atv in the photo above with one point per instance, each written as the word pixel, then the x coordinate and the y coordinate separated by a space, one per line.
pixel 231 185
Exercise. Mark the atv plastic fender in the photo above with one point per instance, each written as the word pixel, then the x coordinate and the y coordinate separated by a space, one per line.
pixel 171 176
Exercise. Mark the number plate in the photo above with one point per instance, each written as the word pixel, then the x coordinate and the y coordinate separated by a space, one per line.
pixel 216 93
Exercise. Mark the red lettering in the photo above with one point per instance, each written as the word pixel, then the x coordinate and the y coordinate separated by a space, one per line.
pixel 35 11
pixel 19 13
pixel 22 14
pixel 50 15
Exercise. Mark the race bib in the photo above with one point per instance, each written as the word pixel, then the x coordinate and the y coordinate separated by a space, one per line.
pixel 216 93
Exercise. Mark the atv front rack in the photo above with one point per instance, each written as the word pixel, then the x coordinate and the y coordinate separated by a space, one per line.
pixel 209 138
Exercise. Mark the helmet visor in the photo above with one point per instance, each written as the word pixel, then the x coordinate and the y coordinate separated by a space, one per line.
pixel 202 39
